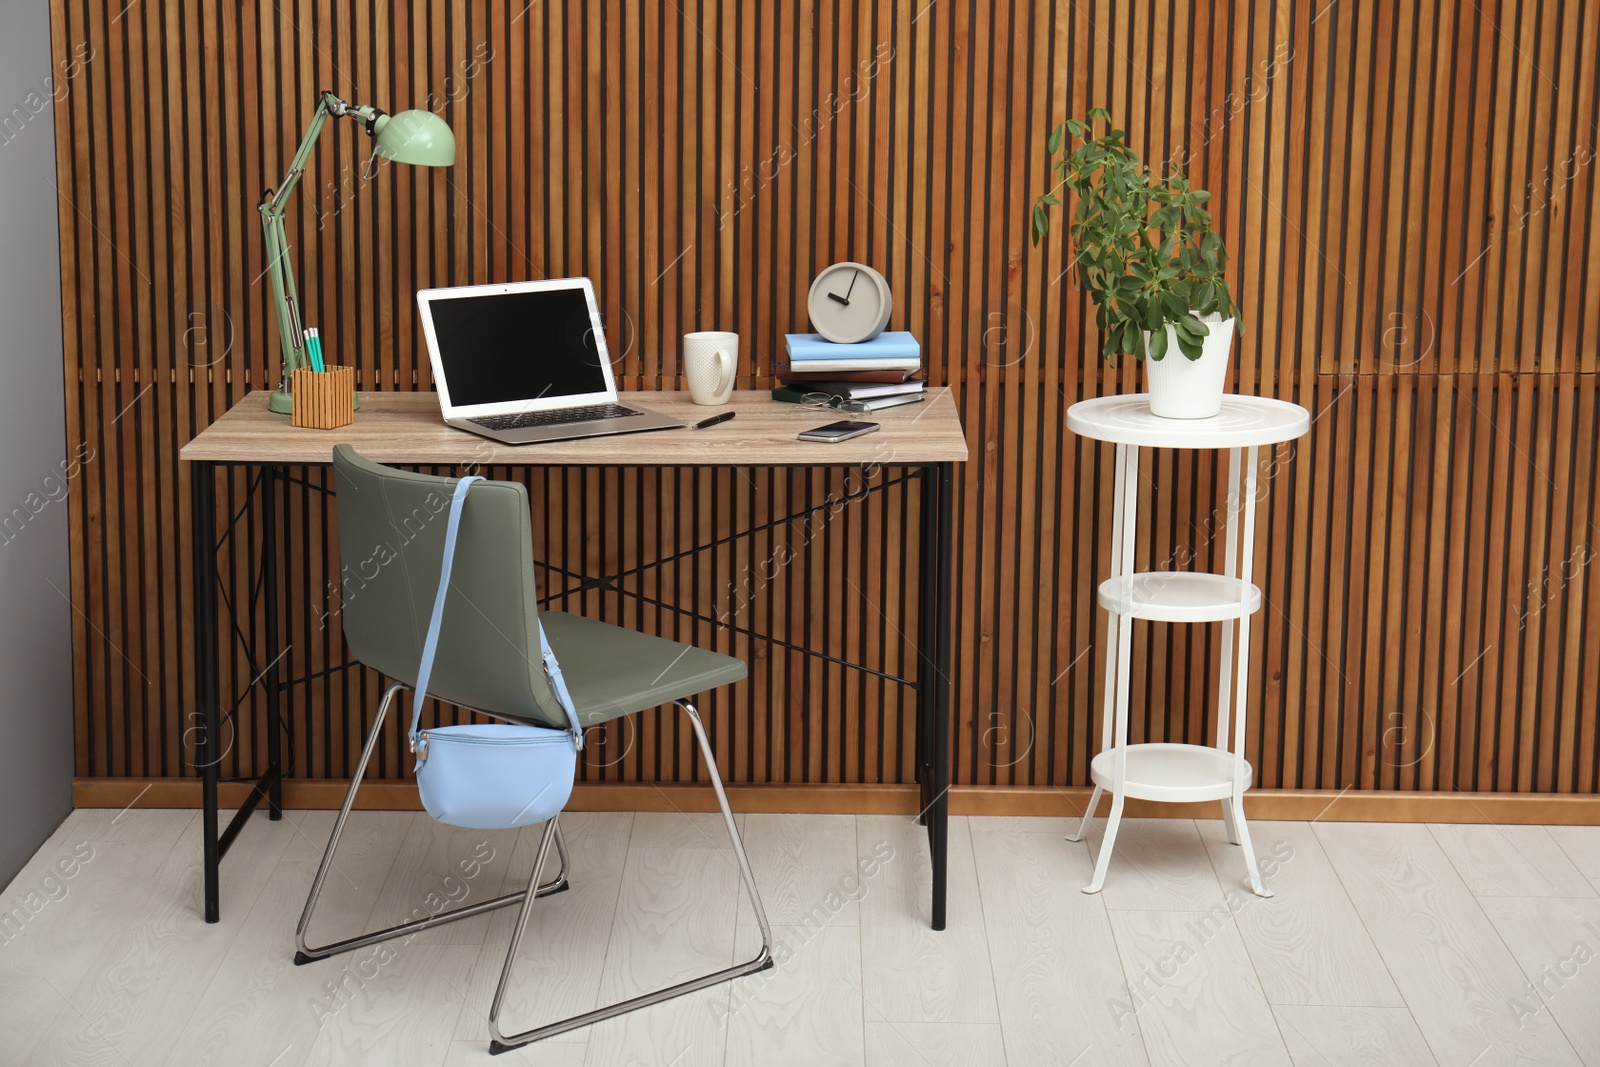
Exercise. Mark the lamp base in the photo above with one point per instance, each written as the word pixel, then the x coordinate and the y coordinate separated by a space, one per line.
pixel 281 402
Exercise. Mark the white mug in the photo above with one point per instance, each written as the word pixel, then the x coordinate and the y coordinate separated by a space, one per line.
pixel 710 361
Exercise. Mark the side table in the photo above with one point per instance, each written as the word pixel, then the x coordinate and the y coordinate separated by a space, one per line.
pixel 1167 771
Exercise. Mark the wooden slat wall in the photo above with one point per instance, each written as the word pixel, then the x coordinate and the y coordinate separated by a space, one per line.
pixel 1409 193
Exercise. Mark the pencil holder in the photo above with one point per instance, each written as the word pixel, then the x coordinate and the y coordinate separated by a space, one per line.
pixel 323 400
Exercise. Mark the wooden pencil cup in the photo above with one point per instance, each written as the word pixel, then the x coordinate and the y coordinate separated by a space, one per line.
pixel 323 400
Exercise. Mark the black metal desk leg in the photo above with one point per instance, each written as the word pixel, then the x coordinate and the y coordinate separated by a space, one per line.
pixel 269 581
pixel 202 485
pixel 938 825
pixel 927 636
pixel 933 678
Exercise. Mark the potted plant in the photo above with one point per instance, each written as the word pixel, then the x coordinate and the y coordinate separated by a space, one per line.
pixel 1148 257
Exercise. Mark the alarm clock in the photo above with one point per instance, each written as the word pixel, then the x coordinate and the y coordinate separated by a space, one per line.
pixel 849 303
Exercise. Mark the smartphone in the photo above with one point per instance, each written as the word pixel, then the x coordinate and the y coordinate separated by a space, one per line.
pixel 839 431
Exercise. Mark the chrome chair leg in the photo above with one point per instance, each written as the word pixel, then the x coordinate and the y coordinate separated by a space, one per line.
pixel 308 953
pixel 502 1042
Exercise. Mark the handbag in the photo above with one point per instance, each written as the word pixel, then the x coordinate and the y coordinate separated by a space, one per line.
pixel 496 776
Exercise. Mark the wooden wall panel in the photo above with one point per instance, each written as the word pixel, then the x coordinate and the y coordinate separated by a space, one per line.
pixel 1408 190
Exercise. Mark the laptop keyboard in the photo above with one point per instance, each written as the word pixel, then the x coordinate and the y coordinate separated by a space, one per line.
pixel 525 419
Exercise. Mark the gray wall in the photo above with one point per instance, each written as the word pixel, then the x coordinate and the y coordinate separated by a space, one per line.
pixel 35 617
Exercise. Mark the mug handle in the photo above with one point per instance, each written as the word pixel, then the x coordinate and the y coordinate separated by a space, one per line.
pixel 727 368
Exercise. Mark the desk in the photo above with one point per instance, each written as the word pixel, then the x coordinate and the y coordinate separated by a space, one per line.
pixel 406 429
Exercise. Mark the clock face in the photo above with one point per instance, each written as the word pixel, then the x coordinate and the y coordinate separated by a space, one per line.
pixel 849 303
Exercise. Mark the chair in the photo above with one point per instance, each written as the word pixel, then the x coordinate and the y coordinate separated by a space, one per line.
pixel 391 541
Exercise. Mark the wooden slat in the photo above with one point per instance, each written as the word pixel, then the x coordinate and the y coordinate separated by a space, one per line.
pixel 1409 195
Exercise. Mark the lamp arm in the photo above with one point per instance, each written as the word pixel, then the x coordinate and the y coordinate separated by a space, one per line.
pixel 285 295
pixel 327 105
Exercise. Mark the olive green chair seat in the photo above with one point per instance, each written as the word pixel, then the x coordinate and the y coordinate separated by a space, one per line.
pixel 392 526
pixel 612 672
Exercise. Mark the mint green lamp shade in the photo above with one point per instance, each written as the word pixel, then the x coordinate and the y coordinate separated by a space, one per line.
pixel 419 138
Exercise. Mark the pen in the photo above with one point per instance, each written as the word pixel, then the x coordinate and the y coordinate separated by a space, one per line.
pixel 314 348
pixel 713 420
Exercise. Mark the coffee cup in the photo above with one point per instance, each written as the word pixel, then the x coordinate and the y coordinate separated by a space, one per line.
pixel 710 361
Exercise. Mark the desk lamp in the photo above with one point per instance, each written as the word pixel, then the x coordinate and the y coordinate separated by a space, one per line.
pixel 420 138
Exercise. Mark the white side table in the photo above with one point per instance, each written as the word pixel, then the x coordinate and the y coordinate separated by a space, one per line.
pixel 1176 772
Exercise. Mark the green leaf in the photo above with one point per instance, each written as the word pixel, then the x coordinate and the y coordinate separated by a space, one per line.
pixel 1051 200
pixel 1099 113
pixel 1190 349
pixel 1158 344
pixel 1041 223
pixel 1053 143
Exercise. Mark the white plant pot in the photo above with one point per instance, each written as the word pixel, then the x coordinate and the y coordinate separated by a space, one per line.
pixel 1184 388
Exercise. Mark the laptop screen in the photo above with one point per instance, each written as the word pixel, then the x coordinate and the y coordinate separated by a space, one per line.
pixel 507 347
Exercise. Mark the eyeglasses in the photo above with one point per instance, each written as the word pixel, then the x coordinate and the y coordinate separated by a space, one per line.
pixel 828 400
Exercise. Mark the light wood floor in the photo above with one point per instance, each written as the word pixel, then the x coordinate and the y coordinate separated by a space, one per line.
pixel 1385 944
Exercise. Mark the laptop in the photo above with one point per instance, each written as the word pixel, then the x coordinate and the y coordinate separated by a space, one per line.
pixel 526 362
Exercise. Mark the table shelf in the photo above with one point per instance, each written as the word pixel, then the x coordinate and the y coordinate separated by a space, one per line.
pixel 1243 422
pixel 1180 596
pixel 1171 772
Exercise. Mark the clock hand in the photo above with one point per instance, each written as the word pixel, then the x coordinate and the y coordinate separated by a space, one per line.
pixel 845 299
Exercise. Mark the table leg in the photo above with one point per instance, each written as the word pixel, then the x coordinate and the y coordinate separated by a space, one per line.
pixel 927 637
pixel 202 485
pixel 1119 683
pixel 269 679
pixel 1113 629
pixel 933 675
pixel 1229 656
pixel 939 822
pixel 1246 568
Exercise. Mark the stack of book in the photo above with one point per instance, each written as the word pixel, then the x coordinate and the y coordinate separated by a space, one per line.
pixel 869 376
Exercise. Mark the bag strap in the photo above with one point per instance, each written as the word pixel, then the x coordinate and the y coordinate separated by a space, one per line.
pixel 430 645
pixel 558 682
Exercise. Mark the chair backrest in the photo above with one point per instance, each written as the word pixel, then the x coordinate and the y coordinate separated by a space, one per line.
pixel 391 544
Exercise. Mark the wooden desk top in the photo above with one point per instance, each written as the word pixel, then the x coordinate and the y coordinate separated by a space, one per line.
pixel 406 428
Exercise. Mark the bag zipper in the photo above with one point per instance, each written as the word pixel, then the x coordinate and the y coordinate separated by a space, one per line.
pixel 457 739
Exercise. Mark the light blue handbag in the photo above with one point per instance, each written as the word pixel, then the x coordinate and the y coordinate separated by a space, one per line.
pixel 496 776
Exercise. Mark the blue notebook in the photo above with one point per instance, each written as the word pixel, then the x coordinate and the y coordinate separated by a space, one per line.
pixel 897 344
